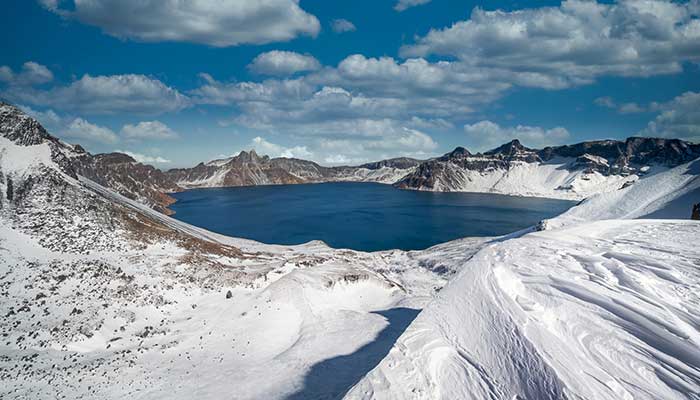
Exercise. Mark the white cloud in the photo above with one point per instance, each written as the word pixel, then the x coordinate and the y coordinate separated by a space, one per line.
pixel 342 25
pixel 679 118
pixel 32 73
pixel 631 108
pixel 145 159
pixel 282 63
pixel 624 108
pixel 71 127
pixel 148 130
pixel 486 135
pixel 606 102
pixel 402 5
pixel 262 146
pixel 137 94
pixel 575 43
pixel 217 23
pixel 82 129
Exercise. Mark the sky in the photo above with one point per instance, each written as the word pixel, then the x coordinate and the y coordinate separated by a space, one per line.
pixel 176 83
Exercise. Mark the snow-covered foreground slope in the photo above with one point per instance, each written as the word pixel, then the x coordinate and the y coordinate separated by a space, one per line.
pixel 667 194
pixel 602 310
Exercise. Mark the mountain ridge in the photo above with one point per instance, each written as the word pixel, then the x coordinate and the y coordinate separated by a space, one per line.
pixel 574 171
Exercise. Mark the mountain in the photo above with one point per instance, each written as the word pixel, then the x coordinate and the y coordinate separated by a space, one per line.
pixel 116 171
pixel 568 172
pixel 121 173
pixel 248 169
pixel 103 297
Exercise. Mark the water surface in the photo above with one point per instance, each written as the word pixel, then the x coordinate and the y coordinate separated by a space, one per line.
pixel 360 216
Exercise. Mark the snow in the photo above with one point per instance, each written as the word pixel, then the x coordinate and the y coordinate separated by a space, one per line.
pixel 667 194
pixel 556 179
pixel 601 310
pixel 23 160
pixel 591 307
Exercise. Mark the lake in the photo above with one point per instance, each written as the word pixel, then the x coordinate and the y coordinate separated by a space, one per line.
pixel 360 216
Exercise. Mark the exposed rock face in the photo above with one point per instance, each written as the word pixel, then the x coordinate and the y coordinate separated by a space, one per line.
pixel 696 212
pixel 116 171
pixel 248 169
pixel 131 179
pixel 572 171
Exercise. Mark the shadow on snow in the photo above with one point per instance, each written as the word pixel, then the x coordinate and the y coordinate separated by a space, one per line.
pixel 334 377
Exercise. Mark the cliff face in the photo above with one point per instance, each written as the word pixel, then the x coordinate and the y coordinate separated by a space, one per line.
pixel 121 173
pixel 248 169
pixel 570 172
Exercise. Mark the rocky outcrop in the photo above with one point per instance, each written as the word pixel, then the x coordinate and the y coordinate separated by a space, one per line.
pixel 117 171
pixel 121 173
pixel 571 171
pixel 696 212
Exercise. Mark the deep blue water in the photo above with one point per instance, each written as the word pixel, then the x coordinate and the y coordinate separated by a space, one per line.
pixel 361 216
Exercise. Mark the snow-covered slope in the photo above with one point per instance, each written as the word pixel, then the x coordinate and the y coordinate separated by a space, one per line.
pixel 592 310
pixel 103 297
pixel 566 172
pixel 667 194
pixel 601 310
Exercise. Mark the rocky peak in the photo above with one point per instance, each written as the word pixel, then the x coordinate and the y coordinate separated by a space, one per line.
pixel 459 152
pixel 509 149
pixel 20 127
pixel 245 157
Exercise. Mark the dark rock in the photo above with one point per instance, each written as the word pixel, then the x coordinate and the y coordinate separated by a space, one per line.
pixel 696 212
pixel 229 294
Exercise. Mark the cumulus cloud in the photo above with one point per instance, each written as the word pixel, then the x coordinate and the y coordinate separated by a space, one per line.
pixel 486 135
pixel 262 146
pixel 71 127
pixel 145 159
pixel 679 118
pixel 623 108
pixel 342 25
pixel 283 63
pixel 148 130
pixel 137 94
pixel 82 129
pixel 217 23
pixel 575 43
pixel 402 5
pixel 32 73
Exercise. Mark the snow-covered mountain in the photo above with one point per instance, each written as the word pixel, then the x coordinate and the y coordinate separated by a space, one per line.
pixel 567 172
pixel 103 297
pixel 117 171
pixel 249 169
pixel 594 305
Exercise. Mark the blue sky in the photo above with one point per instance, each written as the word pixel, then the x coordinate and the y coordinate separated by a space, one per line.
pixel 344 82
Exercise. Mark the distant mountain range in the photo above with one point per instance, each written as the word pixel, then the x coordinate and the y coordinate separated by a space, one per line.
pixel 566 172
pixel 249 169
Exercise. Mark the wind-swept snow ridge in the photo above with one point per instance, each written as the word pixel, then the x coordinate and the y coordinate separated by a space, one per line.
pixel 603 310
pixel 666 194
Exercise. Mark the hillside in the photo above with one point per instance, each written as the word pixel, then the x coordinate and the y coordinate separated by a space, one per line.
pixel 103 297
pixel 97 289
pixel 249 169
pixel 566 172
